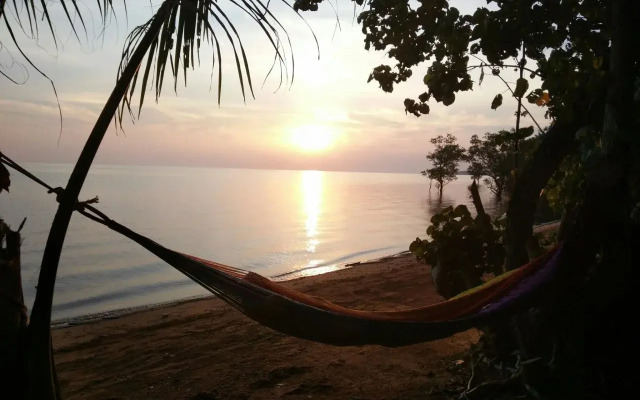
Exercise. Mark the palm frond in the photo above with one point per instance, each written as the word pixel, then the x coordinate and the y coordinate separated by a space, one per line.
pixel 27 15
pixel 39 12
pixel 186 26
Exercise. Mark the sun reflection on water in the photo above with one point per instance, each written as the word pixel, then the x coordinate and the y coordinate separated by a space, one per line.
pixel 311 186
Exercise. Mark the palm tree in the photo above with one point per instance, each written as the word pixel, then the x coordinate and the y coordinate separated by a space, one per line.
pixel 172 37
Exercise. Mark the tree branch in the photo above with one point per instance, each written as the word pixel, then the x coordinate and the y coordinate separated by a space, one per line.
pixel 502 66
pixel 2 3
pixel 523 106
pixel 509 87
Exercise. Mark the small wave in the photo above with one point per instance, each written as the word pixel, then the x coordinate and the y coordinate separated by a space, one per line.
pixel 331 263
pixel 129 271
pixel 140 290
pixel 119 312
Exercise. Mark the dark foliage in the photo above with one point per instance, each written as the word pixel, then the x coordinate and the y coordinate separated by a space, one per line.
pixel 461 251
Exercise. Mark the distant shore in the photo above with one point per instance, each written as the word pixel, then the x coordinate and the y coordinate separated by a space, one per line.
pixel 204 349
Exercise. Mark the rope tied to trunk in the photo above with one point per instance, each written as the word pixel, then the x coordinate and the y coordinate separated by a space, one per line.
pixel 59 191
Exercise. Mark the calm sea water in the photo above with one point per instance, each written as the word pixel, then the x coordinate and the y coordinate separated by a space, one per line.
pixel 280 224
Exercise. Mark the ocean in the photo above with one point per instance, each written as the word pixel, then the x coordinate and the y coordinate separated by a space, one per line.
pixel 281 224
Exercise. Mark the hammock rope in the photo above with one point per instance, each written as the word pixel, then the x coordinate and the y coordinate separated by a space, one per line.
pixel 297 314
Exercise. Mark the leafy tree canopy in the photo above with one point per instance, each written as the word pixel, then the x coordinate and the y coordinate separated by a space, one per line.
pixel 492 157
pixel 445 158
pixel 566 41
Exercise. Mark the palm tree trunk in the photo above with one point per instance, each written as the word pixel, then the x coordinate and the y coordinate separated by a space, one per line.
pixel 40 366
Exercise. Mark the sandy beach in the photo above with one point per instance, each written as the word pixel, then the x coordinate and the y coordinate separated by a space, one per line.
pixel 205 350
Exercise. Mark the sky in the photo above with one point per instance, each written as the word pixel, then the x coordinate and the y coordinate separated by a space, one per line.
pixel 328 118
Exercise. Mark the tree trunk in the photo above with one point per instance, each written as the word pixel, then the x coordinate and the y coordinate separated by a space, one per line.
pixel 477 203
pixel 499 189
pixel 555 145
pixel 40 365
pixel 13 314
pixel 586 316
pixel 475 198
pixel 613 284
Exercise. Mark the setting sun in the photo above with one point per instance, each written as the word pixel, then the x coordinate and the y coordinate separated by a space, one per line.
pixel 312 137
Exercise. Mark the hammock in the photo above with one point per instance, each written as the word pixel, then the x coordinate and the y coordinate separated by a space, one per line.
pixel 297 314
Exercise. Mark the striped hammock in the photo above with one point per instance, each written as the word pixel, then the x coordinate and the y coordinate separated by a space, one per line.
pixel 297 314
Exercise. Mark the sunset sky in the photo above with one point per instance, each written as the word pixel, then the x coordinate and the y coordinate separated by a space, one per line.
pixel 329 118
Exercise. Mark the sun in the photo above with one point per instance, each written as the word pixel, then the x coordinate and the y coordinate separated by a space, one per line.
pixel 312 138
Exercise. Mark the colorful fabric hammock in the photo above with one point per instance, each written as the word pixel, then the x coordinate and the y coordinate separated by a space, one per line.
pixel 297 314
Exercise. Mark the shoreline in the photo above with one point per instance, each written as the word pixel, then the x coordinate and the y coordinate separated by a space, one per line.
pixel 203 349
pixel 121 312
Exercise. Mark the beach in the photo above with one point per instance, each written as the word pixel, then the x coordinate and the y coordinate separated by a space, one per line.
pixel 204 349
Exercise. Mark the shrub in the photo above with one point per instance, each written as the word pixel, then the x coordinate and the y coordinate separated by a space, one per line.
pixel 461 251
